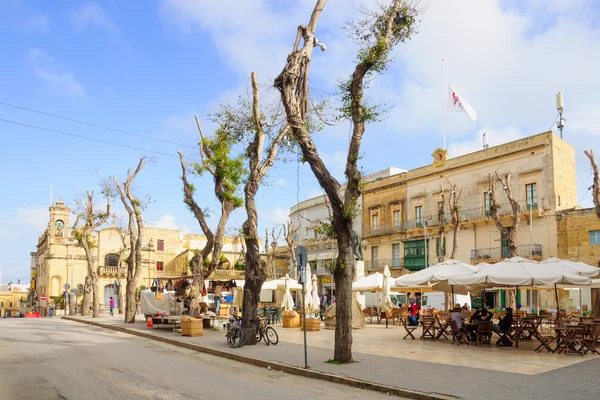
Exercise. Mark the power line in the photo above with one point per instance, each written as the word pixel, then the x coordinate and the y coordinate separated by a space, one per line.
pixel 95 125
pixel 29 208
pixel 89 138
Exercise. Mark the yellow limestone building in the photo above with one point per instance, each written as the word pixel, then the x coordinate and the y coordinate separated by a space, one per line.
pixel 58 261
pixel 403 214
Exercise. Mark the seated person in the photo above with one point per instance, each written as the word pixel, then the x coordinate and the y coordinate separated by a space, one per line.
pixel 458 316
pixel 414 313
pixel 504 326
pixel 481 314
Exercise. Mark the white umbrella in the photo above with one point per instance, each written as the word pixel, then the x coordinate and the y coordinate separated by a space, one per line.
pixel 386 301
pixel 288 301
pixel 518 271
pixel 314 301
pixel 371 283
pixel 437 273
pixel 308 294
pixel 576 267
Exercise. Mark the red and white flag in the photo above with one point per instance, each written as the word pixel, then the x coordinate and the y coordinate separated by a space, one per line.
pixel 457 104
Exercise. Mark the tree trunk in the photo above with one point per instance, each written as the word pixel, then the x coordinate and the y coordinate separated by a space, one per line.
pixel 343 276
pixel 130 300
pixel 255 277
pixel 456 224
pixel 86 300
pixel 120 289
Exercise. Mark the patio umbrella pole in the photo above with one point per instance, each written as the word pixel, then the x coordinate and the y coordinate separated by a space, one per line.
pixel 557 306
pixel 452 302
pixel 518 316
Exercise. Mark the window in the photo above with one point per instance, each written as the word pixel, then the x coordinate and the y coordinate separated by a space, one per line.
pixel 278 273
pixel 531 192
pixel 419 216
pixel 10 304
pixel 160 266
pixel 487 203
pixel 375 222
pixel 111 260
pixel 594 238
pixel 1 304
pixel 160 245
pixel 437 246
pixel 414 255
pixel 396 255
pixel 397 218
pixel 375 256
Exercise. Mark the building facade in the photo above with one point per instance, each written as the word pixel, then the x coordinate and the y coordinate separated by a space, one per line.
pixel 59 263
pixel 306 217
pixel 403 214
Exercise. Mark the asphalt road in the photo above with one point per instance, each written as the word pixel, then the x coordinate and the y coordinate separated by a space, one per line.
pixel 56 359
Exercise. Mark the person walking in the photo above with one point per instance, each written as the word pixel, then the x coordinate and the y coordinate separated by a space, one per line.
pixel 112 307
pixel 217 291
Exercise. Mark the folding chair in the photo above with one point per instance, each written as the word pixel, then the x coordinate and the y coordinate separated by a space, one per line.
pixel 368 314
pixel 574 338
pixel 589 342
pixel 409 329
pixel 458 336
pixel 484 332
pixel 443 326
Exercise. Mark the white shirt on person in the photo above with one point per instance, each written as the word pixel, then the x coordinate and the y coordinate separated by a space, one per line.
pixel 458 317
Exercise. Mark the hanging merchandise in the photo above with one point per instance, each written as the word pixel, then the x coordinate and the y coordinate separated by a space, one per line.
pixel 204 293
pixel 159 295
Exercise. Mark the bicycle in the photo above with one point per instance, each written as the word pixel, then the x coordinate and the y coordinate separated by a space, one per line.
pixel 236 335
pixel 265 332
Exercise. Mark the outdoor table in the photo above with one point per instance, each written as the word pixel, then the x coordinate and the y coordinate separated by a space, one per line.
pixel 429 327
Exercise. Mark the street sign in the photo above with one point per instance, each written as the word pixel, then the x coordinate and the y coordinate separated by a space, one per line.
pixel 303 274
pixel 42 297
pixel 66 286
pixel 302 256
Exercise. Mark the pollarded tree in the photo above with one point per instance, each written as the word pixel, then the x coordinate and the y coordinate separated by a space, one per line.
pixel 259 163
pixel 454 199
pixel 86 222
pixel 197 261
pixel 289 234
pixel 377 36
pixel 271 250
pixel 134 206
pixel 508 233
pixel 596 199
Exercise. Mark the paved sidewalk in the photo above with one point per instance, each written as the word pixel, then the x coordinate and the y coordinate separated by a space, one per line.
pixel 382 357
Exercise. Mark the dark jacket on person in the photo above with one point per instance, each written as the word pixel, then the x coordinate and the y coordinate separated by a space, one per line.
pixel 506 322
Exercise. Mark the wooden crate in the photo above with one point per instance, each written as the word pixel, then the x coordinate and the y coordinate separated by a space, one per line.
pixel 192 327
pixel 312 325
pixel 224 310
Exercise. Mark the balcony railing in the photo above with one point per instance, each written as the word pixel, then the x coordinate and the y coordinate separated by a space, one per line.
pixel 498 253
pixel 434 220
pixel 378 265
pixel 104 270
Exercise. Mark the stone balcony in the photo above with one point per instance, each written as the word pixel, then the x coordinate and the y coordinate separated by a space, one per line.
pixel 378 265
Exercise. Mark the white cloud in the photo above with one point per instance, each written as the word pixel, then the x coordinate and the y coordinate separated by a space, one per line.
pixel 336 163
pixel 493 137
pixel 54 75
pixel 92 15
pixel 280 215
pixel 38 22
pixel 166 221
pixel 35 219
pixel 9 235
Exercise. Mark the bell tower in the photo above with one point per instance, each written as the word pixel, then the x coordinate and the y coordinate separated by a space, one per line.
pixel 59 220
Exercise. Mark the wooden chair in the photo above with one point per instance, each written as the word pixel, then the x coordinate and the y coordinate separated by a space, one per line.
pixel 368 313
pixel 409 329
pixel 458 336
pixel 396 316
pixel 484 332
pixel 590 341
pixel 443 326
pixel 429 326
pixel 574 338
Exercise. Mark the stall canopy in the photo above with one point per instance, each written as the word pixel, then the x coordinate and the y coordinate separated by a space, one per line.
pixel 518 271
pixel 371 283
pixel 279 284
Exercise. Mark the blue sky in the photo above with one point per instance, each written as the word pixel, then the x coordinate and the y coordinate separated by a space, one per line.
pixel 148 67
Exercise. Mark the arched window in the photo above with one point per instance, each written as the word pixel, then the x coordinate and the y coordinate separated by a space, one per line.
pixel 111 260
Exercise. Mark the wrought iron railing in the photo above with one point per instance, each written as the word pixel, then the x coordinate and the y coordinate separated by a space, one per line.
pixel 495 253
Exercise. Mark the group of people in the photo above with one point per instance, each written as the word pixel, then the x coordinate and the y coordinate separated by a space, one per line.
pixel 458 315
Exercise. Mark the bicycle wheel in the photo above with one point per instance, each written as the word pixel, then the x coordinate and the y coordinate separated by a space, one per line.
pixel 237 337
pixel 272 336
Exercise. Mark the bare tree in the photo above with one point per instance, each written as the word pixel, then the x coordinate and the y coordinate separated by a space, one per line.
pixel 197 261
pixel 442 220
pixel 508 233
pixel 289 234
pixel 259 164
pixel 86 222
pixel 377 37
pixel 133 205
pixel 596 199
pixel 454 199
pixel 123 253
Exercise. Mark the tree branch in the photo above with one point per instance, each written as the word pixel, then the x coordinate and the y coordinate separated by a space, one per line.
pixel 596 182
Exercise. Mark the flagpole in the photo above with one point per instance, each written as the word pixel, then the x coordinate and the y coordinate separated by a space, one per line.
pixel 443 104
